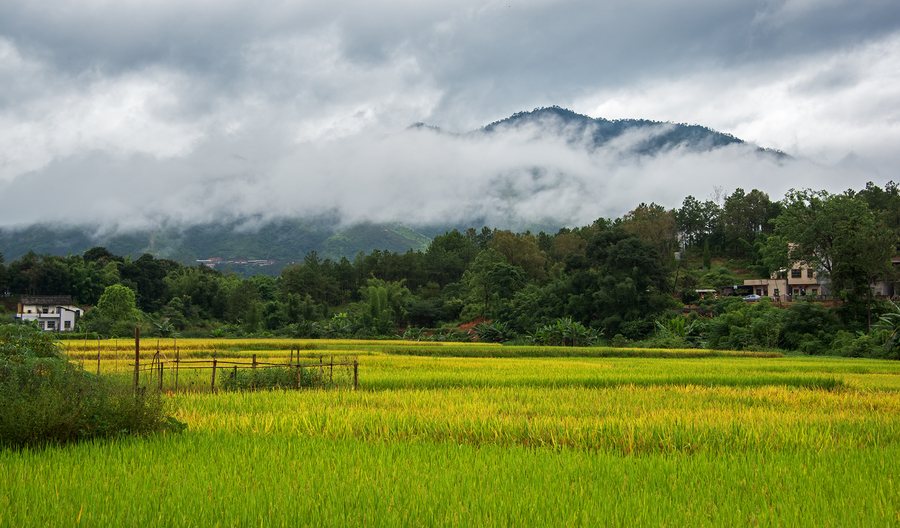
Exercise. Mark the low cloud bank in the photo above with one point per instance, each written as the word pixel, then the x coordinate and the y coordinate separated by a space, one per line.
pixel 416 176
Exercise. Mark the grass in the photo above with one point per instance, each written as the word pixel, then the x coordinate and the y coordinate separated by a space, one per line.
pixel 499 441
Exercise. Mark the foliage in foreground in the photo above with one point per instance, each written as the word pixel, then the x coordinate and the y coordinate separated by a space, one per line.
pixel 44 398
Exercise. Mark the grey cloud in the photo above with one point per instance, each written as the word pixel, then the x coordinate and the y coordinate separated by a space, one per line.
pixel 188 111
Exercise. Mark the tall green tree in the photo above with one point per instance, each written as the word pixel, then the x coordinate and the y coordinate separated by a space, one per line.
pixel 521 250
pixel 690 222
pixel 148 275
pixel 117 303
pixel 490 280
pixel 745 216
pixel 838 235
pixel 384 305
pixel 654 224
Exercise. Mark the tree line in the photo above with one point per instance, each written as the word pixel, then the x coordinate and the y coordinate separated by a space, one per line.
pixel 615 277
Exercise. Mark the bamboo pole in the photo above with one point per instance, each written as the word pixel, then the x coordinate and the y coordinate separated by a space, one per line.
pixel 212 384
pixel 137 356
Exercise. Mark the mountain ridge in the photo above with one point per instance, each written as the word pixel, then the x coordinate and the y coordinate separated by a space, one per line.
pixel 287 240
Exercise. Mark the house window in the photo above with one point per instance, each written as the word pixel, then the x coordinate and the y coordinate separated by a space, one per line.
pixel 67 325
pixel 796 273
pixel 51 325
pixel 44 310
pixel 809 273
pixel 41 325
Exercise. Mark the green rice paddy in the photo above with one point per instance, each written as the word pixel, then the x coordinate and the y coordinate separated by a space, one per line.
pixel 437 440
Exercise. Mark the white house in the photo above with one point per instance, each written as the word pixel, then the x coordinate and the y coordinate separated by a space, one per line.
pixel 54 313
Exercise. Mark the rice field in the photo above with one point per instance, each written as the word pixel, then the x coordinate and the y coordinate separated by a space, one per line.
pixel 492 439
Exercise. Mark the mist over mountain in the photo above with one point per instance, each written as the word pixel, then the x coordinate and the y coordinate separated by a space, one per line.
pixel 537 170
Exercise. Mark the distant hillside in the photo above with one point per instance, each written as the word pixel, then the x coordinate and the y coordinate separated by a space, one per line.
pixel 285 242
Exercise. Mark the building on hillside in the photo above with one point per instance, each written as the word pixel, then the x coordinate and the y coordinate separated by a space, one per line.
pixel 53 313
pixel 788 285
pixel 888 286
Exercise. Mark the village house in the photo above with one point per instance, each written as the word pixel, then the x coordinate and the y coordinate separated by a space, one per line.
pixel 792 284
pixel 53 313
pixel 801 280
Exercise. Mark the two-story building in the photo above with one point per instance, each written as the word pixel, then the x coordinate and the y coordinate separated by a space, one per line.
pixel 786 285
pixel 53 313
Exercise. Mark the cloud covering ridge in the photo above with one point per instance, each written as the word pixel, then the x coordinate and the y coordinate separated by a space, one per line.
pixel 132 114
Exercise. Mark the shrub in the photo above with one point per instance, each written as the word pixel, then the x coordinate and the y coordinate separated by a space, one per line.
pixel 450 335
pixel 618 341
pixel 848 345
pixel 669 341
pixel 493 332
pixel 44 398
pixel 269 378
pixel 414 334
pixel 806 318
pixel 565 332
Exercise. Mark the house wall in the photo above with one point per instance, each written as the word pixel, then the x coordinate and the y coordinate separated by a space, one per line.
pixel 791 286
pixel 50 318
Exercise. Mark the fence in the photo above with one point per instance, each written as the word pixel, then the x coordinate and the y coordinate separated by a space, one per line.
pixel 155 366
pixel 160 363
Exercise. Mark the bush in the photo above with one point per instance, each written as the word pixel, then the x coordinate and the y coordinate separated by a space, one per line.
pixel 805 319
pixel 269 378
pixel 670 342
pixel 493 332
pixel 565 332
pixel 450 335
pixel 618 341
pixel 849 345
pixel 44 398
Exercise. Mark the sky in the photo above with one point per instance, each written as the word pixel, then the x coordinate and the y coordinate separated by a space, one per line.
pixel 125 114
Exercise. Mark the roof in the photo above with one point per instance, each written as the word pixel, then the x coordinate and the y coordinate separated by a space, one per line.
pixel 64 300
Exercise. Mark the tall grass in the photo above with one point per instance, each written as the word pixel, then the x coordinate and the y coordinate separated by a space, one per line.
pixel 271 480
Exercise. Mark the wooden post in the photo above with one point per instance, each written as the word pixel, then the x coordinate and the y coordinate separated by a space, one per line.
pixel 177 359
pixel 98 358
pixel 355 375
pixel 212 384
pixel 254 361
pixel 137 356
pixel 159 358
pixel 331 373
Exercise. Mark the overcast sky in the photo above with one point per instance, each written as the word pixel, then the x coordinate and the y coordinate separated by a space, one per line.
pixel 133 113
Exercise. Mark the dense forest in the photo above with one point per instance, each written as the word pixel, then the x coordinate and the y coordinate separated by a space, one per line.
pixel 616 281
